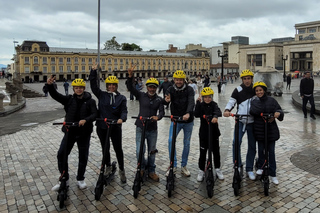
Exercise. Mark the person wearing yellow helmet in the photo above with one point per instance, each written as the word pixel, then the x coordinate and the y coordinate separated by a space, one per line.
pixel 112 105
pixel 241 96
pixel 206 106
pixel 262 103
pixel 151 106
pixel 180 96
pixel 81 108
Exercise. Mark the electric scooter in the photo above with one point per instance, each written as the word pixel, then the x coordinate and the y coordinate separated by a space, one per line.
pixel 237 178
pixel 209 169
pixel 138 180
pixel 170 178
pixel 102 179
pixel 63 189
pixel 265 174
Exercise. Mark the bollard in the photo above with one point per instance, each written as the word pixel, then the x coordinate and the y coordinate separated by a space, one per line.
pixel 13 97
pixel 2 96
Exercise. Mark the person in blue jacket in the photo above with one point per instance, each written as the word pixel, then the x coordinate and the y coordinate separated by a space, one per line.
pixel 112 105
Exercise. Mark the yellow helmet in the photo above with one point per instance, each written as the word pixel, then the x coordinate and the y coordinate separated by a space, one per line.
pixel 111 80
pixel 246 73
pixel 78 82
pixel 207 91
pixel 179 74
pixel 261 84
pixel 152 82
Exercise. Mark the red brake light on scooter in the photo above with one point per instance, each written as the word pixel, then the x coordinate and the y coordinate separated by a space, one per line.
pixel 141 118
pixel 105 120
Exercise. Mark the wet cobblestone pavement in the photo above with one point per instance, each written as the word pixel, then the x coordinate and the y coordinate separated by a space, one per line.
pixel 29 166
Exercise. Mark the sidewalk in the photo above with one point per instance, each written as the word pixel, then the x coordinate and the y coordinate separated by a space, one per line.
pixel 29 166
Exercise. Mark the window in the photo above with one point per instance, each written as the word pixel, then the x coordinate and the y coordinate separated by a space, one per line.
pixel 60 60
pixel 109 61
pixel 68 68
pixel 26 60
pixel 90 60
pixel 53 69
pixel 68 60
pixel 301 31
pixel 83 68
pixel 35 60
pixel 76 60
pixel 312 30
pixel 115 61
pixel 60 68
pixel 83 60
pixel 36 68
pixel 300 38
pixel 27 69
pixel 44 60
pixel 76 68
pixel 103 67
pixel 121 61
pixel 36 49
pixel 53 60
pixel 258 60
pixel 103 61
pixel 45 70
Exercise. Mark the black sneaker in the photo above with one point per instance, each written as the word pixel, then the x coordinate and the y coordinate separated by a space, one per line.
pixel 313 117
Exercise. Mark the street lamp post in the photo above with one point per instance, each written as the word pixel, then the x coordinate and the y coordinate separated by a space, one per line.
pixel 284 67
pixel 223 55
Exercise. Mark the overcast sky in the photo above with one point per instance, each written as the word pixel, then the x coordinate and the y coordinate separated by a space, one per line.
pixel 149 23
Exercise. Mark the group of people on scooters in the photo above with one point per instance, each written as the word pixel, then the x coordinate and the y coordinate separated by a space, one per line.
pixel 80 107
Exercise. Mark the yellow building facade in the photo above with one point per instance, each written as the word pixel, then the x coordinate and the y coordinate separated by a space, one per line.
pixel 36 61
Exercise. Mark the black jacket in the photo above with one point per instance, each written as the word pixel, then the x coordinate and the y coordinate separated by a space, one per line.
pixel 111 106
pixel 210 109
pixel 265 104
pixel 149 106
pixel 77 109
pixel 182 101
pixel 306 86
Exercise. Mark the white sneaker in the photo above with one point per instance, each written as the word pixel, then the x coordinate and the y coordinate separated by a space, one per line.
pixel 57 186
pixel 81 184
pixel 259 172
pixel 219 174
pixel 185 171
pixel 275 180
pixel 174 171
pixel 200 176
pixel 251 175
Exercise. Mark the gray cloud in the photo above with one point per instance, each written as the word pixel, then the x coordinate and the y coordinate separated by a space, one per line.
pixel 150 24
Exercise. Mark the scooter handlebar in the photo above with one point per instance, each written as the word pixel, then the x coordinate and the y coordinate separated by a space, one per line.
pixel 142 118
pixel 67 123
pixel 173 117
pixel 239 115
pixel 107 120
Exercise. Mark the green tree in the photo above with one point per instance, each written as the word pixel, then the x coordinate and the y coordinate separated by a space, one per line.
pixel 112 44
pixel 130 47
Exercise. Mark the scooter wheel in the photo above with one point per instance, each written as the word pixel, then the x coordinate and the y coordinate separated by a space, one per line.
pixel 135 192
pixel 236 188
pixel 61 199
pixel 210 191
pixel 266 189
pixel 98 192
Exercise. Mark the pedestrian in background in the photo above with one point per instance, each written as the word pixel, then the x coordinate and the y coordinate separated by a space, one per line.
pixel 306 93
pixel 66 87
pixel 288 81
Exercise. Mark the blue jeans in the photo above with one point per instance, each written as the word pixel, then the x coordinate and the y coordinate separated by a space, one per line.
pixel 187 131
pixel 272 157
pixel 251 153
pixel 151 137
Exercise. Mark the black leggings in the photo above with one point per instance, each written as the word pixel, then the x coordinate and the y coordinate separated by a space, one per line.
pixel 116 138
pixel 204 145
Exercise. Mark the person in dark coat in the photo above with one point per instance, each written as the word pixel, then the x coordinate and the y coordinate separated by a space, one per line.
pixel 112 105
pixel 288 81
pixel 151 106
pixel 261 103
pixel 306 93
pixel 79 107
pixel 206 106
